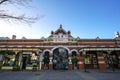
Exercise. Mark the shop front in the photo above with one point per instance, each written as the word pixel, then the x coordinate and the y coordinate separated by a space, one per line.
pixel 101 57
pixel 19 58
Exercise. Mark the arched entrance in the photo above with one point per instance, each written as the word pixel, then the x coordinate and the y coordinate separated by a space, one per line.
pixel 74 59
pixel 60 58
pixel 46 59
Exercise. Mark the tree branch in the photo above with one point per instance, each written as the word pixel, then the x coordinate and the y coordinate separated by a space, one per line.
pixel 3 1
pixel 21 18
pixel 4 15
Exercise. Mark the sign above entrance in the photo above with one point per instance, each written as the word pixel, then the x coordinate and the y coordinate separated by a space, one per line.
pixel 60 35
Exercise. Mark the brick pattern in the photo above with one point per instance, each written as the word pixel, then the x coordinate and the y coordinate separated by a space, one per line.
pixel 101 61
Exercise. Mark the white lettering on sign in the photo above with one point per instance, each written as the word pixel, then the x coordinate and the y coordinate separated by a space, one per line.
pixel 60 38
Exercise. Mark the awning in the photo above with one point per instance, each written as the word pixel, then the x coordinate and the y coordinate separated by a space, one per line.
pixel 21 49
pixel 99 49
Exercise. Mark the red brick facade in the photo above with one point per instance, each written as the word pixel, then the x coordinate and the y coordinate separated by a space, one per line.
pixel 85 49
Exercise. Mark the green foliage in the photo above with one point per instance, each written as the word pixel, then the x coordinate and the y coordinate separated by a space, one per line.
pixel 46 60
pixel 74 59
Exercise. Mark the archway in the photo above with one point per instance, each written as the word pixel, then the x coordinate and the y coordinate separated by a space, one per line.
pixel 46 59
pixel 74 59
pixel 60 58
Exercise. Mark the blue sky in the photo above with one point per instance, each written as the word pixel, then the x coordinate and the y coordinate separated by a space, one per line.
pixel 84 18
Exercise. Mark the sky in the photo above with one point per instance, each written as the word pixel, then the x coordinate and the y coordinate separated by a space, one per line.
pixel 84 18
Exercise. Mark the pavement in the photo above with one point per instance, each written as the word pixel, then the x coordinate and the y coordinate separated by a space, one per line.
pixel 60 75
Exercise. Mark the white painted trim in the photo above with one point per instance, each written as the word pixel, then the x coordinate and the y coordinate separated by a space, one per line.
pixel 7 68
pixel 60 46
pixel 80 62
pixel 69 58
pixel 78 46
pixel 101 62
pixel 50 63
pixel 100 57
pixel 29 68
pixel 28 46
pixel 46 50
pixel 70 62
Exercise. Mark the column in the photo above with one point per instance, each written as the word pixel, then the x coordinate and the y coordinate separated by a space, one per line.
pixel 119 59
pixel 101 60
pixel 80 62
pixel 51 62
pixel 19 60
pixel 70 62
pixel 40 61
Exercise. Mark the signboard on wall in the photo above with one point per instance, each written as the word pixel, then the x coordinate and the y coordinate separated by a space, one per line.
pixel 60 38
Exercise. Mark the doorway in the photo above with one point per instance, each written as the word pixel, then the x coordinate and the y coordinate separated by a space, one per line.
pixel 24 60
pixel 46 60
pixel 112 59
pixel 91 60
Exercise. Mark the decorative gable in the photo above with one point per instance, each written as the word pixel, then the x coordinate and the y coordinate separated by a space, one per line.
pixel 60 30
pixel 60 35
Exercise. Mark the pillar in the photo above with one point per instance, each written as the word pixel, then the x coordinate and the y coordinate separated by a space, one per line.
pixel 70 62
pixel 19 60
pixel 40 61
pixel 41 64
pixel 101 60
pixel 119 59
pixel 81 62
pixel 51 62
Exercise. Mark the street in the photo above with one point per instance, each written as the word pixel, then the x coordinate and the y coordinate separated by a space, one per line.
pixel 60 75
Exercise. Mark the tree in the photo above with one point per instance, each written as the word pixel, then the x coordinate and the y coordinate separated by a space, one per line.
pixel 4 15
pixel 74 61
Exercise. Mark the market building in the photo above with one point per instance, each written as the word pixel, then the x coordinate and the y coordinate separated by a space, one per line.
pixel 59 51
